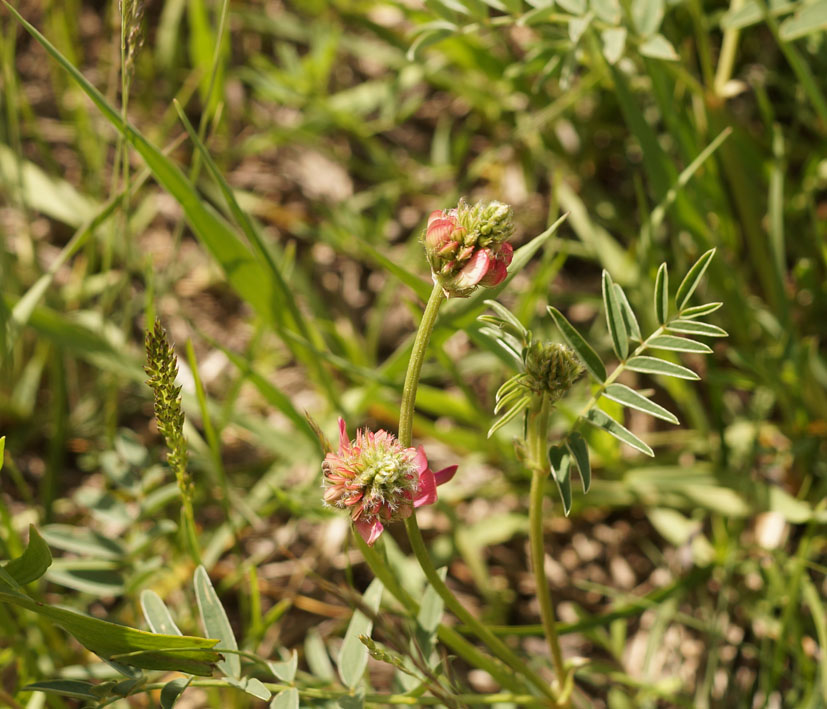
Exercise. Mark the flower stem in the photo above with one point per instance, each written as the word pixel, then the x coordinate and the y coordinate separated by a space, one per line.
pixel 420 346
pixel 537 427
pixel 497 646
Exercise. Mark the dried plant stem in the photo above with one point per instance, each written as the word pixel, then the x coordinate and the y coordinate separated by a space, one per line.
pixel 497 646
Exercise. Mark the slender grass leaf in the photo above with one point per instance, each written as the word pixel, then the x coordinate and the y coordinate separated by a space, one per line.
pixel 698 311
pixel 629 318
pixel 285 670
pixel 662 294
pixel 602 420
pixel 243 271
pixel 34 561
pixel 580 454
pixel 215 622
pixel 691 280
pixel 815 601
pixel 157 614
pixel 575 340
pixel 128 646
pixel 653 365
pixel 353 658
pixel 614 318
pixel 560 461
pixel 629 397
pixel 677 344
pixel 75 688
pixel 693 327
pixel 172 690
pixel 288 699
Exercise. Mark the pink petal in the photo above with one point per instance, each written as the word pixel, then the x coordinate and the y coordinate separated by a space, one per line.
pixel 433 216
pixel 369 531
pixel 444 475
pixel 473 271
pixel 344 441
pixel 495 275
pixel 421 460
pixel 426 495
pixel 506 253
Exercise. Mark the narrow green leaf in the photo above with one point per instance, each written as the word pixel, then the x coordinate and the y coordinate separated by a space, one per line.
pixel 353 658
pixel 635 400
pixel 432 606
pixel 315 654
pixel 614 318
pixel 691 280
pixel 560 461
pixel 653 365
pixel 614 43
pixel 509 415
pixel 583 349
pixel 215 622
pixel 517 328
pixel 629 318
pixel 662 294
pixel 75 688
pixel 125 645
pixel 425 40
pixel 83 542
pixel 509 399
pixel 603 421
pixel 157 614
pixel 172 690
pixel 678 344
pixel 285 670
pixel 253 687
pixel 693 327
pixel 288 699
pixel 658 47
pixel 698 311
pixel 34 560
pixel 580 454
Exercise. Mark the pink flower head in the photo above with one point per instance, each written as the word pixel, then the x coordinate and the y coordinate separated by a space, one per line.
pixel 467 246
pixel 377 480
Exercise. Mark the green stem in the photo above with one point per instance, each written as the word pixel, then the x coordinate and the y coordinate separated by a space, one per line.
pixel 497 646
pixel 537 427
pixel 420 346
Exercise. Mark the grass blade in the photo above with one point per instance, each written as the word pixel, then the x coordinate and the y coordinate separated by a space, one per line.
pixel 575 340
pixel 635 400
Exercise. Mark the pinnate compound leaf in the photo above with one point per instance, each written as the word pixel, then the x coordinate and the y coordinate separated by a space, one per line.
pixel 288 699
pixel 629 318
pixel 516 327
pixel 603 421
pixel 215 622
pixel 614 318
pixel 653 365
pixel 172 690
pixel 583 349
pixel 34 560
pixel 677 344
pixel 635 400
pixel 512 413
pixel 580 454
pixel 353 658
pixel 693 327
pixel 697 311
pixel 560 461
pixel 286 670
pixel 662 294
pixel 157 614
pixel 691 280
